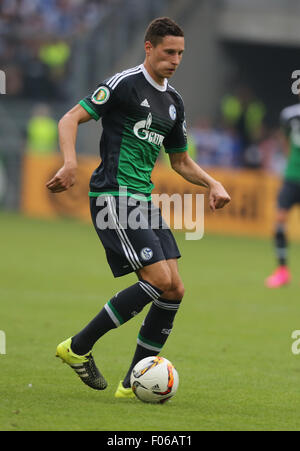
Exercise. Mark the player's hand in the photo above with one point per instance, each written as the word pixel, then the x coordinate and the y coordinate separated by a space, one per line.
pixel 218 196
pixel 62 180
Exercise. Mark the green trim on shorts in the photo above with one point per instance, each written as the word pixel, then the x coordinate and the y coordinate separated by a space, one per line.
pixel 120 193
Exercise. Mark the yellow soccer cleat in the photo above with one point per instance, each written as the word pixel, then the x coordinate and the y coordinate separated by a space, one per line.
pixel 123 392
pixel 83 365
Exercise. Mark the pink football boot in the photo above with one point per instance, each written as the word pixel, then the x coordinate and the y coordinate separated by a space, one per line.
pixel 280 277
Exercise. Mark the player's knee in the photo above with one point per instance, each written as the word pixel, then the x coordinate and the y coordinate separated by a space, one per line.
pixel 179 291
pixel 164 283
pixel 176 291
pixel 161 280
pixel 160 277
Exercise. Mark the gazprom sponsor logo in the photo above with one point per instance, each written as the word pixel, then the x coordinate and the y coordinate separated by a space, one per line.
pixel 142 130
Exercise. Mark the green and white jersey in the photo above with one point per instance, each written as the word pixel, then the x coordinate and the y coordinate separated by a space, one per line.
pixel 138 117
pixel 290 120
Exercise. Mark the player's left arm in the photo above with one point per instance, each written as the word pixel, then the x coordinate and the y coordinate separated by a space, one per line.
pixel 183 164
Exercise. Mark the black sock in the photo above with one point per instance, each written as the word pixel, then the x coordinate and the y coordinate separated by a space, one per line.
pixel 154 332
pixel 280 240
pixel 122 307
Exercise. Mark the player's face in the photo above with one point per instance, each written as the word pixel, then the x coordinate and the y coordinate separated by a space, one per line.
pixel 165 57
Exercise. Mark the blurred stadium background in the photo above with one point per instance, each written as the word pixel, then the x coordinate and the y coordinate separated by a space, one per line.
pixel 232 345
pixel 235 79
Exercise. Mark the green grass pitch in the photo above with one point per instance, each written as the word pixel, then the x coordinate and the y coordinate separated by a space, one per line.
pixel 231 343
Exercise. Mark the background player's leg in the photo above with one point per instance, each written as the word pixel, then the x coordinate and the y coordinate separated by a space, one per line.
pixel 281 276
pixel 158 323
pixel 280 237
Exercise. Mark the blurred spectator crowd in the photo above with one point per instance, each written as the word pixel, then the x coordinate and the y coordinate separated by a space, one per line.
pixel 36 49
pixel 58 17
pixel 36 42
pixel 240 137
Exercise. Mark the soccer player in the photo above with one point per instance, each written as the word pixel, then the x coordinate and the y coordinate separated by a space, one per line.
pixel 140 111
pixel 289 194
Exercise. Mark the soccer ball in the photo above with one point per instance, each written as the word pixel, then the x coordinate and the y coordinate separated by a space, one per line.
pixel 154 380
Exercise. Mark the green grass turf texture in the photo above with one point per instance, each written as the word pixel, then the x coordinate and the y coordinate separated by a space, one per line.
pixel 231 343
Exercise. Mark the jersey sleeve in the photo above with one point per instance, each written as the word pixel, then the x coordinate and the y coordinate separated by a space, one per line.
pixel 176 140
pixel 99 102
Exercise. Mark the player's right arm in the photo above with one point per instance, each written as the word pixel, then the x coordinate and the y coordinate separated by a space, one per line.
pixel 67 132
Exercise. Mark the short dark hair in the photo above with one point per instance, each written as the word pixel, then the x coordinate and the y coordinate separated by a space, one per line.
pixel 161 27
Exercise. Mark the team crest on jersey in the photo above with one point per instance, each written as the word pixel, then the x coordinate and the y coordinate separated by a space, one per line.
pixel 101 95
pixel 172 112
pixel 146 253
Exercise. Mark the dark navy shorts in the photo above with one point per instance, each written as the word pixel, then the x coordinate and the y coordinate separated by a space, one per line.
pixel 132 232
pixel 289 195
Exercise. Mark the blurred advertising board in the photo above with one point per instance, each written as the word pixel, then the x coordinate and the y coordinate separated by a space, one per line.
pixel 10 179
pixel 250 213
